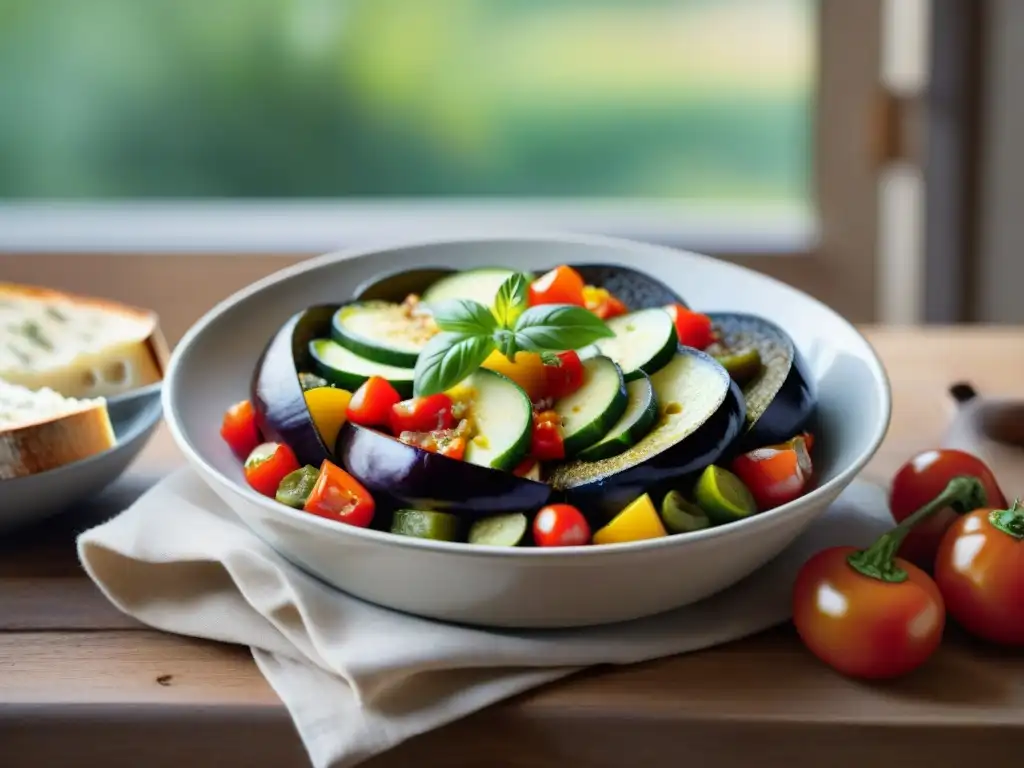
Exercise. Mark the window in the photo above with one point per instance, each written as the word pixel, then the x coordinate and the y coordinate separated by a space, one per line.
pixel 693 121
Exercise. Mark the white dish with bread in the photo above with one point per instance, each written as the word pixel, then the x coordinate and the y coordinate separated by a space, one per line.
pixel 79 396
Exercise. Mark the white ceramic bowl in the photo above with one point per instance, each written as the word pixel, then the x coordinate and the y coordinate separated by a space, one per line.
pixel 532 587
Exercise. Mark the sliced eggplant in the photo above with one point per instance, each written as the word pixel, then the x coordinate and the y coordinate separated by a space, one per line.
pixel 276 389
pixel 404 476
pixel 589 412
pixel 644 342
pixel 637 290
pixel 503 421
pixel 396 286
pixel 636 421
pixel 781 398
pixel 344 368
pixel 701 412
pixel 477 284
pixel 383 331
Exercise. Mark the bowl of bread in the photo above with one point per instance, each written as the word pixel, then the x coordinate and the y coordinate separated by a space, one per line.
pixel 79 397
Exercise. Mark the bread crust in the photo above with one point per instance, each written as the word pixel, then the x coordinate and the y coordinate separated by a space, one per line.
pixel 146 357
pixel 52 443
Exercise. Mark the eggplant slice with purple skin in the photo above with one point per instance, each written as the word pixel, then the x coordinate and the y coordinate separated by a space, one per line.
pixel 782 398
pixel 276 390
pixel 634 288
pixel 687 437
pixel 404 476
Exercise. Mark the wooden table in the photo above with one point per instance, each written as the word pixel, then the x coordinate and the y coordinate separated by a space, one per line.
pixel 80 684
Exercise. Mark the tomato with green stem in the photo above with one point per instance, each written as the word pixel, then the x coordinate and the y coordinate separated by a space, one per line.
pixel 920 480
pixel 868 613
pixel 979 569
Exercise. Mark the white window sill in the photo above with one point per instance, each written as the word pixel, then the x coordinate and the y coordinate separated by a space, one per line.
pixel 307 226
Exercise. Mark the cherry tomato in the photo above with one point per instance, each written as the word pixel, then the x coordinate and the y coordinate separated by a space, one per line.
pixel 371 404
pixel 422 414
pixel 239 429
pixel 339 496
pixel 777 474
pixel 692 328
pixel 546 443
pixel 863 626
pixel 980 571
pixel 566 377
pixel 447 442
pixel 603 303
pixel 560 525
pixel 921 479
pixel 267 465
pixel 562 285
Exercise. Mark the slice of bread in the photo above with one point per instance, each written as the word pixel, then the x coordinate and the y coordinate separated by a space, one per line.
pixel 41 430
pixel 77 346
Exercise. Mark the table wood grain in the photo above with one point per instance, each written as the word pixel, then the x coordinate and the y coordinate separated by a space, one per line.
pixel 82 684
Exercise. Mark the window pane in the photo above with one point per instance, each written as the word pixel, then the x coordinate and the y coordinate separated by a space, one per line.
pixel 702 99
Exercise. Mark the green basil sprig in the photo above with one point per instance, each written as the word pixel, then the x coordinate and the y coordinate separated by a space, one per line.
pixel 470 332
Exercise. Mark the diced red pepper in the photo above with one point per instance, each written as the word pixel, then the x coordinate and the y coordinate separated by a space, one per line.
pixel 339 496
pixel 267 465
pixel 778 474
pixel 692 328
pixel 603 303
pixel 566 377
pixel 447 442
pixel 525 467
pixel 546 444
pixel 422 414
pixel 239 429
pixel 371 404
pixel 562 285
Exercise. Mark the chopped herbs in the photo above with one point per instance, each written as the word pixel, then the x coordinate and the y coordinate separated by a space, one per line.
pixel 25 359
pixel 34 333
pixel 56 314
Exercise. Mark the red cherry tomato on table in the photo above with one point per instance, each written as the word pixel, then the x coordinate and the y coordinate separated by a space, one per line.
pixel 339 496
pixel 546 444
pixel 239 429
pixel 267 465
pixel 868 613
pixel 371 404
pixel 777 474
pixel 692 328
pixel 560 525
pixel 980 571
pixel 920 480
pixel 862 626
pixel 422 414
pixel 566 377
pixel 562 285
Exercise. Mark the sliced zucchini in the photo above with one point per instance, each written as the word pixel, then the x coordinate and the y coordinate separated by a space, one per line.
pixel 348 370
pixel 478 284
pixel 636 421
pixel 382 332
pixel 425 524
pixel 499 530
pixel 503 418
pixel 644 342
pixel 589 412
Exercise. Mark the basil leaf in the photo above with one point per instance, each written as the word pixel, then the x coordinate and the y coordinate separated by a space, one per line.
pixel 464 316
pixel 447 359
pixel 559 326
pixel 506 343
pixel 511 300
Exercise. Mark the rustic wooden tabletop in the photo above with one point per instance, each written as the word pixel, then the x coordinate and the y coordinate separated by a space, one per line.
pixel 81 684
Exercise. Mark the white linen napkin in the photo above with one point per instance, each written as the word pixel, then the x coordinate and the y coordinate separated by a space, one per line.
pixel 358 679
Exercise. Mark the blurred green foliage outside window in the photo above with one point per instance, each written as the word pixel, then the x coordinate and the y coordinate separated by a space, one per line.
pixel 113 99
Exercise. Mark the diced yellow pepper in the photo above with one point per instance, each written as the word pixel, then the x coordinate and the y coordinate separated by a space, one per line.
pixel 527 371
pixel 637 521
pixel 327 406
